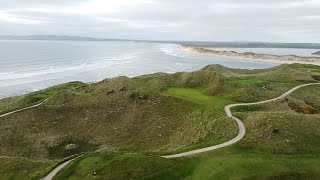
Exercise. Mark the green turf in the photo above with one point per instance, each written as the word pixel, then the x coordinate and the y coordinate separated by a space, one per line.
pixel 49 92
pixel 121 166
pixel 229 163
pixel 196 96
pixel 245 164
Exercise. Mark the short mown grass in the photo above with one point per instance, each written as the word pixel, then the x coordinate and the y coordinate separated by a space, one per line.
pixel 229 163
pixel 196 96
pixel 232 163
pixel 120 166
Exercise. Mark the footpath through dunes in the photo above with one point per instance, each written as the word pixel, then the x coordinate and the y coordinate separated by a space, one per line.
pixel 34 99
pixel 139 114
pixel 23 109
pixel 239 123
pixel 56 170
pixel 228 112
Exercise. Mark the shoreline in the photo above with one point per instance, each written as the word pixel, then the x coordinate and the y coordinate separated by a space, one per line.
pixel 201 51
pixel 250 56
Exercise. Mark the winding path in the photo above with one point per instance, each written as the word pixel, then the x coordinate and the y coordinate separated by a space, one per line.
pixel 242 130
pixel 23 109
pixel 56 170
pixel 227 109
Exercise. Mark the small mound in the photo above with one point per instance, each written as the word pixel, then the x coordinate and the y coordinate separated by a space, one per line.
pixel 70 147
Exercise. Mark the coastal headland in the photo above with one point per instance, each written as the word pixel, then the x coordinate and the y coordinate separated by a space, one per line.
pixel 251 56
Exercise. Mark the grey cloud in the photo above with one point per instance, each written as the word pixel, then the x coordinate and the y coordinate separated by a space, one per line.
pixel 252 20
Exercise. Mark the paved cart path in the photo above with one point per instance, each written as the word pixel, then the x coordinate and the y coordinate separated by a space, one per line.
pixel 242 130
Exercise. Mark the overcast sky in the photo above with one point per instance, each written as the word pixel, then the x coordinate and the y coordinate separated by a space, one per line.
pixel 212 20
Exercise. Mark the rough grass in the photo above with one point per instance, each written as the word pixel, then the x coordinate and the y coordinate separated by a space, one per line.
pixel 69 148
pixel 282 132
pixel 290 132
pixel 279 144
pixel 50 92
pixel 23 169
pixel 14 103
pixel 247 81
pixel 223 129
pixel 133 115
pixel 113 115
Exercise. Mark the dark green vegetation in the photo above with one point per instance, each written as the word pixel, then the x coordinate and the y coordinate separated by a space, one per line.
pixel 167 113
pixel 69 148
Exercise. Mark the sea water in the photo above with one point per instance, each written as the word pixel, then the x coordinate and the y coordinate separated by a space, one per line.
pixel 27 66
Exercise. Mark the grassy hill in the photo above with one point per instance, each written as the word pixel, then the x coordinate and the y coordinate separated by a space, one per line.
pixel 126 120
pixel 14 103
pixel 229 163
pixel 21 168
pixel 291 124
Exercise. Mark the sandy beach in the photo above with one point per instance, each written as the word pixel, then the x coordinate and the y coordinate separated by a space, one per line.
pixel 250 56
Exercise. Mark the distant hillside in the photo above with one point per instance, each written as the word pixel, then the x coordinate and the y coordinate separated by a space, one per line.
pixel 252 56
pixel 225 44
pixel 56 38
pixel 49 37
pixel 236 44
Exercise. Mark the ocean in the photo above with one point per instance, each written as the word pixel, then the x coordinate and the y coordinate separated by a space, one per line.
pixel 27 66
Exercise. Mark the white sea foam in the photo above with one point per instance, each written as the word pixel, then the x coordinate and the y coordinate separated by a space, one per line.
pixel 90 65
pixel 172 50
pixel 34 67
